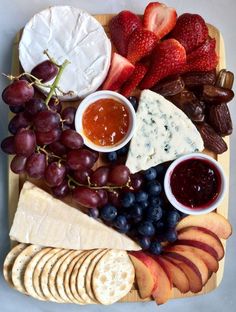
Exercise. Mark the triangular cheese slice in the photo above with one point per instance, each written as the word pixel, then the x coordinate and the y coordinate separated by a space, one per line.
pixel 163 133
pixel 43 220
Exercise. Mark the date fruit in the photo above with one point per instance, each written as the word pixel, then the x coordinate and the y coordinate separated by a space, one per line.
pixel 170 87
pixel 213 94
pixel 212 140
pixel 197 79
pixel 219 118
pixel 225 79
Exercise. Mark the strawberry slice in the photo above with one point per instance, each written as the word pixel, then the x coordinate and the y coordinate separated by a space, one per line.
pixel 121 26
pixel 190 30
pixel 169 57
pixel 141 43
pixel 120 70
pixel 138 74
pixel 159 18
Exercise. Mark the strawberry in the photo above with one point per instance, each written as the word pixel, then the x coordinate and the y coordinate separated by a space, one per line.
pixel 159 18
pixel 121 26
pixel 120 70
pixel 190 30
pixel 141 43
pixel 168 58
pixel 138 74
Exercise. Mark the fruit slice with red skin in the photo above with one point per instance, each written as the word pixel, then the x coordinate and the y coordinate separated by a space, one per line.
pixel 121 27
pixel 168 58
pixel 159 18
pixel 144 277
pixel 189 268
pixel 177 275
pixel 141 43
pixel 198 245
pixel 120 70
pixel 212 221
pixel 202 235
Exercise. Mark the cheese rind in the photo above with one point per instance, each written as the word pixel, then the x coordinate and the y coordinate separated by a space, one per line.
pixel 43 220
pixel 163 133
pixel 73 34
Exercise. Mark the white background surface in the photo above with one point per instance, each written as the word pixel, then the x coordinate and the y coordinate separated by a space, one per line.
pixel 221 13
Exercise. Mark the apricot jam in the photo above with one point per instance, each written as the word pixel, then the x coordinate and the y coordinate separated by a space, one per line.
pixel 195 183
pixel 105 122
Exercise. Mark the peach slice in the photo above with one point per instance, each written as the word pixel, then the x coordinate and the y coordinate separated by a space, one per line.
pixel 177 275
pixel 209 259
pixel 144 277
pixel 189 268
pixel 212 221
pixel 202 235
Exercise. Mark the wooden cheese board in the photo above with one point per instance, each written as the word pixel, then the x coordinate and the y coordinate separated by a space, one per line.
pixel 15 182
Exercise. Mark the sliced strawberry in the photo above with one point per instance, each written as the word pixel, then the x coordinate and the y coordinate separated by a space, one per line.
pixel 120 70
pixel 121 26
pixel 168 58
pixel 138 74
pixel 190 30
pixel 159 18
pixel 141 43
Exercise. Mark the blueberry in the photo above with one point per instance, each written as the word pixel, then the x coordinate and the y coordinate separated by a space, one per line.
pixel 146 228
pixel 144 204
pixel 155 248
pixel 127 199
pixel 154 200
pixel 154 213
pixel 120 222
pixel 93 212
pixel 161 171
pixel 154 188
pixel 108 212
pixel 144 242
pixel 171 235
pixel 125 229
pixel 123 151
pixel 172 218
pixel 160 226
pixel 150 174
pixel 141 196
pixel 136 211
pixel 111 157
pixel 134 101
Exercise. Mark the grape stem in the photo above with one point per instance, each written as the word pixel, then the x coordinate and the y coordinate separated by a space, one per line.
pixel 43 150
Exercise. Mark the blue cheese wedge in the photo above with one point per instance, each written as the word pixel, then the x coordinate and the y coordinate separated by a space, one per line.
pixel 163 133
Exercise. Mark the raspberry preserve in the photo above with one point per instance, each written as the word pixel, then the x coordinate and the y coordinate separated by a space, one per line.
pixel 195 183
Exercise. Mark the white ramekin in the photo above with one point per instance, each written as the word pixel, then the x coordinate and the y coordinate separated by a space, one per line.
pixel 90 99
pixel 183 208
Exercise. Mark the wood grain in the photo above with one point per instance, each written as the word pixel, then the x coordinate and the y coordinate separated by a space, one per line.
pixel 15 182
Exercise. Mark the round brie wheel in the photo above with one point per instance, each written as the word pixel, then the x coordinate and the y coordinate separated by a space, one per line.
pixel 73 34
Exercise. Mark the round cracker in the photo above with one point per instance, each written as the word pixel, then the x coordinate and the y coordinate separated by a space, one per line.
pixel 20 264
pixel 113 276
pixel 29 272
pixel 52 277
pixel 44 277
pixel 9 261
pixel 88 276
pixel 60 277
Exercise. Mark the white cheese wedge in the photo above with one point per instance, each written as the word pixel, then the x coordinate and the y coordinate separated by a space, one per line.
pixel 163 133
pixel 73 34
pixel 43 220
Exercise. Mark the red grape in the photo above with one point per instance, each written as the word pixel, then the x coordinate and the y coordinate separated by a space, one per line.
pixel 119 175
pixel 71 139
pixel 17 93
pixel 57 148
pixel 55 105
pixel 136 181
pixel 81 175
pixel 55 174
pixel 45 71
pixel 19 121
pixel 68 115
pixel 34 106
pixel 45 138
pixel 47 120
pixel 78 158
pixel 17 109
pixel 61 190
pixel 103 197
pixel 24 142
pixel 86 197
pixel 8 146
pixel 100 176
pixel 114 199
pixel 18 164
pixel 36 165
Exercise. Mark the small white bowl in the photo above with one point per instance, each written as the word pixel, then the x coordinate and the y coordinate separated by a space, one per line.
pixel 90 99
pixel 195 211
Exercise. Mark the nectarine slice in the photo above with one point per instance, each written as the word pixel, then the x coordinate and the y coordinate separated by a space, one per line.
pixel 177 275
pixel 212 221
pixel 202 235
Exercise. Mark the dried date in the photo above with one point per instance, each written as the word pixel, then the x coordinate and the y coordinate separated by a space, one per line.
pixel 197 79
pixel 219 118
pixel 169 87
pixel 213 94
pixel 225 79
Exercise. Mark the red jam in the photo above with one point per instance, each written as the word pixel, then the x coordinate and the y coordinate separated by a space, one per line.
pixel 105 122
pixel 195 183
